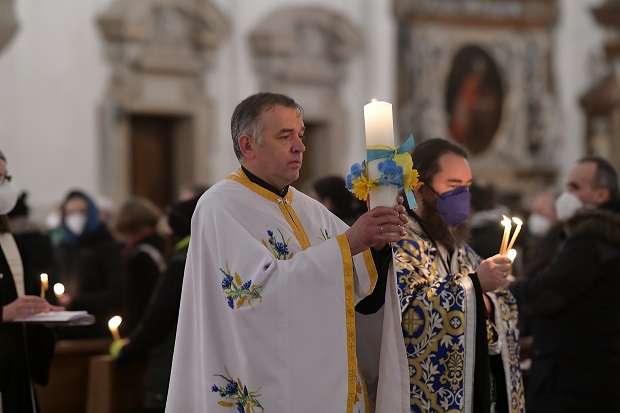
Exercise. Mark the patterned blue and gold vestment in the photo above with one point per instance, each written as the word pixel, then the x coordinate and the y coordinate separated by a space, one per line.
pixel 439 326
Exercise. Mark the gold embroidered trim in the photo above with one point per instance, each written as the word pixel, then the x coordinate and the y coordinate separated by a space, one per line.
pixel 372 270
pixel 347 262
pixel 283 202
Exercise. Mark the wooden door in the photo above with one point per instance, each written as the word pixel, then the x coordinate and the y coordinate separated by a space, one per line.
pixel 152 158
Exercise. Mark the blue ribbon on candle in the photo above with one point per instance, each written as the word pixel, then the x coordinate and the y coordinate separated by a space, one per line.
pixel 374 154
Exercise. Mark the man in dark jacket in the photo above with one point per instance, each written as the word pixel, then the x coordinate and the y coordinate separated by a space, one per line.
pixel 574 301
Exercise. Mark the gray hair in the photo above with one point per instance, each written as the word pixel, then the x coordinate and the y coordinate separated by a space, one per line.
pixel 246 119
pixel 605 177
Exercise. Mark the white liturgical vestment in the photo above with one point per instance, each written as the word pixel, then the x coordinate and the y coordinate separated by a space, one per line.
pixel 267 321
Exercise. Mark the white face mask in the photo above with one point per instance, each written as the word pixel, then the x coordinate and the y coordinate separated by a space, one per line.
pixel 567 205
pixel 75 222
pixel 538 224
pixel 8 197
pixel 52 220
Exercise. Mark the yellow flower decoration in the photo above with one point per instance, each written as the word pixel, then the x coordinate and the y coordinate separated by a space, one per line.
pixel 362 185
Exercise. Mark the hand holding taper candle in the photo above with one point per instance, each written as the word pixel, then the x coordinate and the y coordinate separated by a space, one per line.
pixel 44 284
pixel 113 326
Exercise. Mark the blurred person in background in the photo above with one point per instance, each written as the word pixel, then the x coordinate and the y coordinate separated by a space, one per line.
pixel 25 350
pixel 89 265
pixel 574 301
pixel 332 192
pixel 32 237
pixel 486 215
pixel 154 337
pixel 189 191
pixel 544 233
pixel 143 257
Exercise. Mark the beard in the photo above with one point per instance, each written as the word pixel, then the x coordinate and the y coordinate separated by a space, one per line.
pixel 450 237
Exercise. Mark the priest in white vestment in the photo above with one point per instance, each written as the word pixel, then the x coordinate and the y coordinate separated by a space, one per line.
pixel 267 322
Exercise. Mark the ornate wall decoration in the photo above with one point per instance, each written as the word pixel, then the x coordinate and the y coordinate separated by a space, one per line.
pixel 442 44
pixel 159 51
pixel 601 102
pixel 8 22
pixel 304 52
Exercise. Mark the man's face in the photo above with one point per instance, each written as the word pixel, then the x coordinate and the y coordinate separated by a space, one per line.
pixel 454 172
pixel 277 160
pixel 580 183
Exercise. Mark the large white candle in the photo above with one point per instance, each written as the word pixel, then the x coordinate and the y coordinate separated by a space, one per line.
pixel 379 131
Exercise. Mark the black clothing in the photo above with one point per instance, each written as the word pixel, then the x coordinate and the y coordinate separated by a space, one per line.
pixel 144 264
pixel 25 351
pixel 154 337
pixel 576 319
pixel 91 271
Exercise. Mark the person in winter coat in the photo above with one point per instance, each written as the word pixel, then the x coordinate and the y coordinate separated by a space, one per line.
pixel 574 301
pixel 154 337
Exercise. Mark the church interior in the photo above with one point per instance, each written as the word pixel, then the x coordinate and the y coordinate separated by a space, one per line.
pixel 124 98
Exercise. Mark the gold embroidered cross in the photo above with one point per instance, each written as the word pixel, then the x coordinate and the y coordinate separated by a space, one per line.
pixel 411 321
pixel 281 201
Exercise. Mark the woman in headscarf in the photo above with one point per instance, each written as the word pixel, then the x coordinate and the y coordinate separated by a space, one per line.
pixel 89 264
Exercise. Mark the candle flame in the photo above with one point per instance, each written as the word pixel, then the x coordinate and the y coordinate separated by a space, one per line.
pixel 506 221
pixel 517 221
pixel 115 322
pixel 373 100
pixel 44 277
pixel 59 289
pixel 512 254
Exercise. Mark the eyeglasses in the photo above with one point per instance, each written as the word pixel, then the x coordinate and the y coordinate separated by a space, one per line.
pixel 5 178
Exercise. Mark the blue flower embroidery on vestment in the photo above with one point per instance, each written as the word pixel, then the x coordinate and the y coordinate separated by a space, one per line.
pixel 279 248
pixel 238 292
pixel 245 401
pixel 324 234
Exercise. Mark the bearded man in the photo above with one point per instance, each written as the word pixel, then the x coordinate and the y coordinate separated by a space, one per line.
pixel 458 321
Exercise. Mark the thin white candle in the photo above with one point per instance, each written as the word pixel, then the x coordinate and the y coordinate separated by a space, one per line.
pixel 113 326
pixel 44 281
pixel 379 131
pixel 516 233
pixel 507 227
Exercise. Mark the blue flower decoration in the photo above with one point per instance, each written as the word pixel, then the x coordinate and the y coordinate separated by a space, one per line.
pixel 237 292
pixel 232 387
pixel 233 395
pixel 391 174
pixel 227 281
pixel 278 248
pixel 357 170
